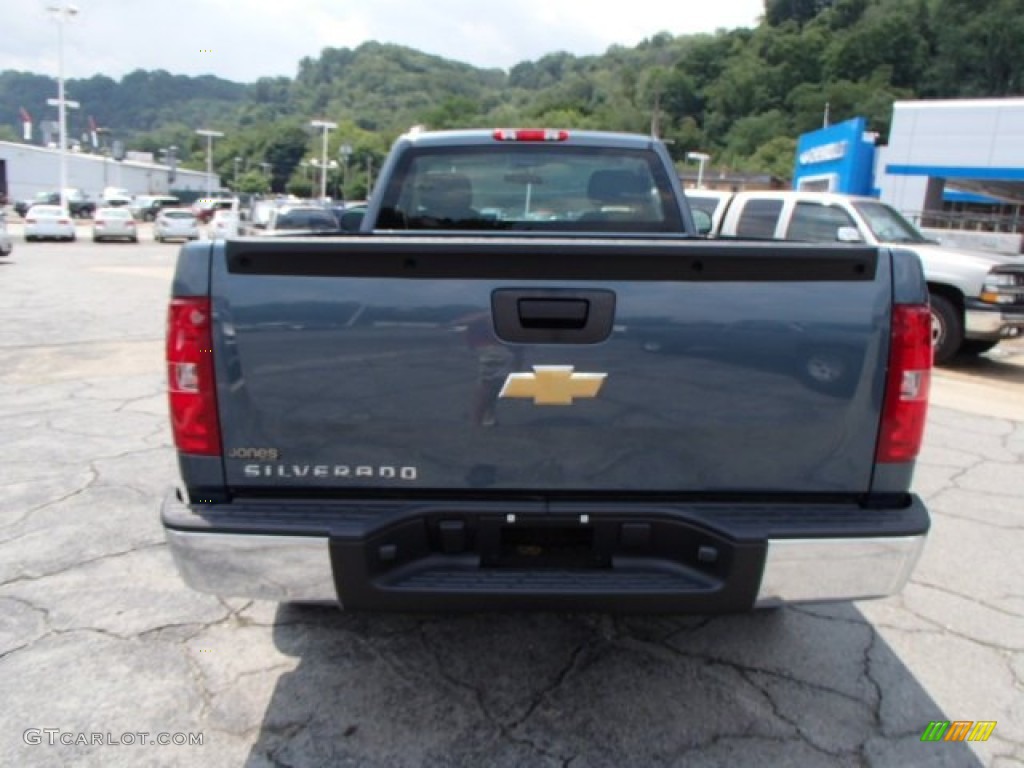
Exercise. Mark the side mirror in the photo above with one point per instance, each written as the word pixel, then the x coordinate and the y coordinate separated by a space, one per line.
pixel 352 220
pixel 702 220
pixel 848 235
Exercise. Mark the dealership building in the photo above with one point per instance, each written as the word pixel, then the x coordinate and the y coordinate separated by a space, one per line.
pixel 953 165
pixel 26 170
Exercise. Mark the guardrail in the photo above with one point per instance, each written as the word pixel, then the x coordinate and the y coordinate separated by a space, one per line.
pixel 970 221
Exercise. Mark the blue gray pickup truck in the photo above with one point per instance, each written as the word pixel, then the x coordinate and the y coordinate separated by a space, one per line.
pixel 526 383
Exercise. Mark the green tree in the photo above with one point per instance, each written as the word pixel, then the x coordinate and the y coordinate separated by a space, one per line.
pixel 888 38
pixel 775 157
pixel 979 49
pixel 748 134
pixel 299 186
pixel 778 12
pixel 253 182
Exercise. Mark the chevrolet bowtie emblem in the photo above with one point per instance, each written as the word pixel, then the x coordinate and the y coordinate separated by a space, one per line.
pixel 552 385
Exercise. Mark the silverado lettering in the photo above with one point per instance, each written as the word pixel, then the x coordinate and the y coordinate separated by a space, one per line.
pixel 597 408
pixel 325 470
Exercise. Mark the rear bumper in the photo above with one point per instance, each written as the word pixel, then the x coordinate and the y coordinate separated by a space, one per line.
pixel 645 558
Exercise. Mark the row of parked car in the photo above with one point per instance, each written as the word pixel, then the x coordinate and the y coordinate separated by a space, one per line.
pixel 224 217
pixel 50 222
pixel 270 217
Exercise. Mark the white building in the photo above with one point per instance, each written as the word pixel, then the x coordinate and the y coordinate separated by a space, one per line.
pixel 26 170
pixel 965 146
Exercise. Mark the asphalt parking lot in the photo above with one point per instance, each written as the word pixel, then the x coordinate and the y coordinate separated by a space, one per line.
pixel 100 642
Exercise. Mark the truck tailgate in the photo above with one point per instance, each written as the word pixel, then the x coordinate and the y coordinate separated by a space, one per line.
pixel 549 365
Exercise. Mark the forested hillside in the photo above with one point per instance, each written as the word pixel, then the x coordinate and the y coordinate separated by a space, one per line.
pixel 743 95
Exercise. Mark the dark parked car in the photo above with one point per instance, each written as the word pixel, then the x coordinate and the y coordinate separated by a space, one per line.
pixel 148 207
pixel 79 204
pixel 302 218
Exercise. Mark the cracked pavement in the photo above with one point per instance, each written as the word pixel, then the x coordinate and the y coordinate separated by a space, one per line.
pixel 98 634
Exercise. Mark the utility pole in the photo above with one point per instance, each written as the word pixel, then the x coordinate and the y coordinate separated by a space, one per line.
pixel 210 136
pixel 344 153
pixel 327 126
pixel 62 13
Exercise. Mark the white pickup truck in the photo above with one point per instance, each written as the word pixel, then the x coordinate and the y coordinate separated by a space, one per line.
pixel 977 298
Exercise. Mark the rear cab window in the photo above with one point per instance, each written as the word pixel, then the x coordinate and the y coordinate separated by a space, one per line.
pixel 530 188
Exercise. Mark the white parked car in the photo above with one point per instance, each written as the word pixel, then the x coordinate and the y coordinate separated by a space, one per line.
pixel 175 224
pixel 114 224
pixel 223 224
pixel 48 222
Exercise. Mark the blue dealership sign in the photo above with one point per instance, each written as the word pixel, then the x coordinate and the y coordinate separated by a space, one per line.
pixel 839 158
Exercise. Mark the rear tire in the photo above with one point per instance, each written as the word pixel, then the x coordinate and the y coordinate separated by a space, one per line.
pixel 947 329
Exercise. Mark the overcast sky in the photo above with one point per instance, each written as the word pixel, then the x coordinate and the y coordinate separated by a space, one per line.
pixel 243 40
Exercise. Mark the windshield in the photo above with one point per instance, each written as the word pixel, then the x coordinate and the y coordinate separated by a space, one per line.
pixel 887 225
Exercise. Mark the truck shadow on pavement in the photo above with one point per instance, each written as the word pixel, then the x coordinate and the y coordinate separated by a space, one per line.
pixel 991 368
pixel 798 686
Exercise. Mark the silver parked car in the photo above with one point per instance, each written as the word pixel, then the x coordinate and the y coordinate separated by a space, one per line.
pixel 114 224
pixel 175 224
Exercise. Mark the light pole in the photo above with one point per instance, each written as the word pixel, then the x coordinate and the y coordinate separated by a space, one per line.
pixel 62 13
pixel 327 126
pixel 701 158
pixel 344 152
pixel 238 162
pixel 332 165
pixel 210 136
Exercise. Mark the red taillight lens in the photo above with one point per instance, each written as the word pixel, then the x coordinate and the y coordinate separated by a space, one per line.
pixel 530 134
pixel 30 221
pixel 907 383
pixel 63 221
pixel 190 382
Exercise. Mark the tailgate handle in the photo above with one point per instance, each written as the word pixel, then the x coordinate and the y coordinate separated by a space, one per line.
pixel 553 315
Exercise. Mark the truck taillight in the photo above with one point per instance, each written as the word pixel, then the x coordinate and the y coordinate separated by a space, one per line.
pixel 529 134
pixel 190 382
pixel 907 383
